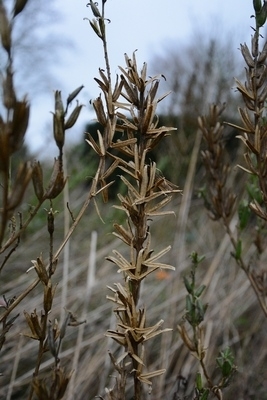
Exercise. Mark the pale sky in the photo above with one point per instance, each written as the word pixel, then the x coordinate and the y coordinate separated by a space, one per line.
pixel 146 25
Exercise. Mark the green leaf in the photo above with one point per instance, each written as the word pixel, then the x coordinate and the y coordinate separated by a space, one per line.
pixel 257 5
pixel 195 258
pixel 205 394
pixel 199 383
pixel 238 250
pixel 261 16
pixel 188 304
pixel 244 213
pixel 200 290
pixel 226 368
pixel 201 309
pixel 188 285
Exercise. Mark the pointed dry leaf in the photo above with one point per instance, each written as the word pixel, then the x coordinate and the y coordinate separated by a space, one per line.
pixel 74 94
pixel 247 56
pixel 138 359
pixel 103 188
pixel 57 181
pixel 123 234
pixel 37 179
pixel 101 143
pixel 94 25
pixel 19 125
pixel 19 6
pixel 117 90
pixel 117 336
pixel 104 77
pixel 156 333
pixel 130 187
pixel 73 117
pixel 99 109
pixel 159 254
pixel 131 93
pixel 22 180
pixel 5 29
pixel 111 168
pixel 93 144
pixel 263 95
pixel 123 143
pixel 246 120
pixel 241 88
pixel 120 261
pixel 240 128
pixel 145 377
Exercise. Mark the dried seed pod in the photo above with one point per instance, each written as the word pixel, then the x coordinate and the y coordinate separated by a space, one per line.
pixel 95 10
pixel 56 330
pixel 263 54
pixel 50 221
pixel 37 179
pixel 73 117
pixel 49 292
pixel 247 56
pixel 249 103
pixel 153 90
pixel 63 381
pixel 57 181
pixel 51 341
pixel 94 25
pixel 64 325
pixel 58 121
pixel 34 325
pixel 19 125
pixel 186 339
pixel 103 76
pixel 5 29
pixel 40 270
pixel 19 6
pixel 58 103
pixel 21 182
pixel 132 74
pixel 254 45
pixel 53 266
pixel 117 90
pixel 144 72
pixel 131 92
pixel 123 234
pixel 257 5
pixel 144 182
pixel 4 148
pixel 93 144
pixel 73 321
pixel 246 120
pixel 102 26
pixel 99 109
pixel 104 191
pixel 262 77
pixel 9 96
pixel 103 86
pixel 263 95
pixel 74 94
pixel 148 117
pixel 58 130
